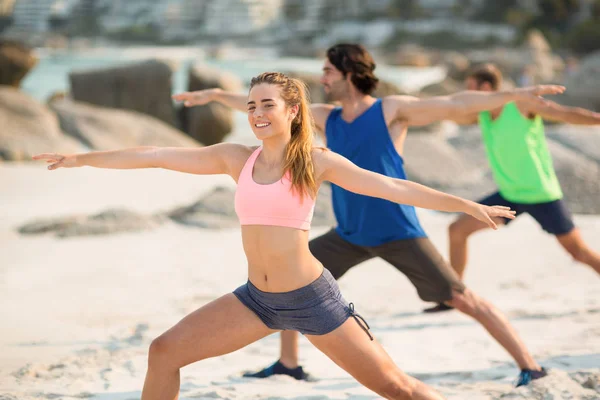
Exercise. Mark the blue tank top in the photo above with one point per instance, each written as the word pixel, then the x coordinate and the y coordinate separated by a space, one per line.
pixel 363 220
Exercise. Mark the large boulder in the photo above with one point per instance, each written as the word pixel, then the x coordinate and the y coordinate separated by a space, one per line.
pixel 211 123
pixel 432 161
pixel 313 83
pixel 532 63
pixel 443 88
pixel 583 85
pixel 412 56
pixel 29 127
pixel 584 140
pixel 144 87
pixel 105 223
pixel 102 128
pixel 386 88
pixel 536 42
pixel 16 60
pixel 579 177
pixel 457 65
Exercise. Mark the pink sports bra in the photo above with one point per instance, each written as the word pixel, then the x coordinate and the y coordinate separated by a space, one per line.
pixel 272 204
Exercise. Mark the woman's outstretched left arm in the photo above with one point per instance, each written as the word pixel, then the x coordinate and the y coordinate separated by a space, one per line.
pixel 340 171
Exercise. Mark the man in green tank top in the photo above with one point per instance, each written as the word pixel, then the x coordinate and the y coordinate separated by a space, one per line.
pixel 522 168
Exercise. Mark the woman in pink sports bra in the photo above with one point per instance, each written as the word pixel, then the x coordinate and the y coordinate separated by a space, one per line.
pixel 287 288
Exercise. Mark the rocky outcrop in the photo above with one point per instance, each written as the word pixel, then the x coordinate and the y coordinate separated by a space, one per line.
pixel 583 85
pixel 211 123
pixel 29 127
pixel 104 223
pixel 312 81
pixel 579 178
pixel 412 56
pixel 101 128
pixel 532 63
pixel 16 60
pixel 386 88
pixel 434 162
pixel 143 87
pixel 456 64
pixel 214 210
pixel 445 87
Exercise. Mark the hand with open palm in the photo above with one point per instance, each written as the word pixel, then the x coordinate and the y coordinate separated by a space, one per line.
pixel 57 160
pixel 487 213
pixel 533 94
pixel 196 98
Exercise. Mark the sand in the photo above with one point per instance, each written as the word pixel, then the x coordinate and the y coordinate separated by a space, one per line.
pixel 78 314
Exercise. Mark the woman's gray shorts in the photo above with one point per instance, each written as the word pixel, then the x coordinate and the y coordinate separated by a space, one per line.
pixel 315 309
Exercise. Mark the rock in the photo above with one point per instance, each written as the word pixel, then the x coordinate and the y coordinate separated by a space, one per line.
pixel 584 140
pixel 445 87
pixel 535 41
pixel 578 177
pixel 104 223
pixel 102 128
pixel 211 123
pixel 385 88
pixel 412 56
pixel 530 61
pixel 312 81
pixel 213 211
pixel 469 144
pixel 29 127
pixel 456 64
pixel 16 60
pixel 144 87
pixel 323 215
pixel 432 161
pixel 583 85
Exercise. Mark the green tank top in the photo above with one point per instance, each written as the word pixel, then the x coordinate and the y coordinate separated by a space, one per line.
pixel 519 158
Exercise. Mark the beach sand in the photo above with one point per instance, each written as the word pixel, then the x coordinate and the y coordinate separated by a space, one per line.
pixel 78 314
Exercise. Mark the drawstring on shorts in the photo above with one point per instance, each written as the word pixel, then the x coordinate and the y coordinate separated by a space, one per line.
pixel 360 319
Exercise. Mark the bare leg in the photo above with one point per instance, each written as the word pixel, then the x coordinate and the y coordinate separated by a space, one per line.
pixel 218 328
pixel 350 348
pixel 459 232
pixel 579 250
pixel 289 349
pixel 496 324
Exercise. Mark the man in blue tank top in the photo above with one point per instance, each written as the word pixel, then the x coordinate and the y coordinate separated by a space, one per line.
pixel 371 132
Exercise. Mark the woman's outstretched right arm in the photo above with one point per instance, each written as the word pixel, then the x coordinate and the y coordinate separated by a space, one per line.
pixel 204 160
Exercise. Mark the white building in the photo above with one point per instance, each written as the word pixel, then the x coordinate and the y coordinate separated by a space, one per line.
pixel 182 18
pixel 124 14
pixel 35 15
